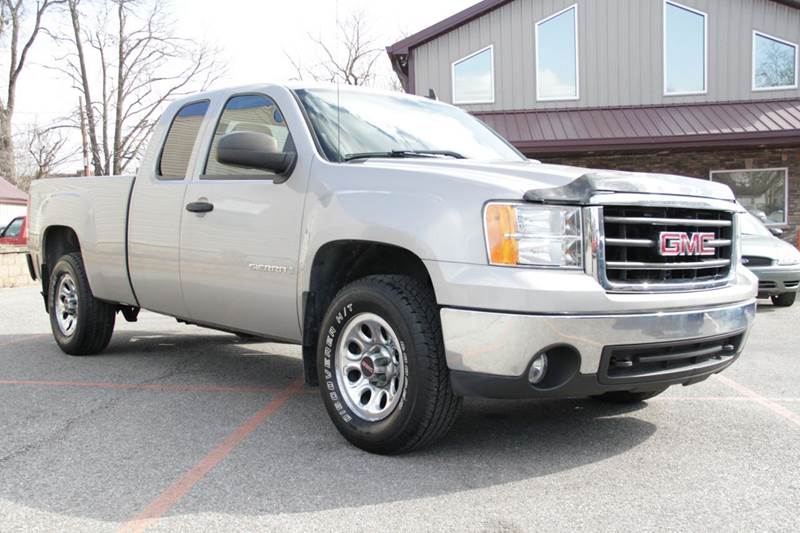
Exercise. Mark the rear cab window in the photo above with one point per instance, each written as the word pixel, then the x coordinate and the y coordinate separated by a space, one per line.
pixel 178 146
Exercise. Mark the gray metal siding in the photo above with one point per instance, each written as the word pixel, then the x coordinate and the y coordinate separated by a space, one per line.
pixel 620 45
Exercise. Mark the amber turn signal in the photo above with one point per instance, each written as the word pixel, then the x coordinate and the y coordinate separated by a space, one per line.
pixel 501 229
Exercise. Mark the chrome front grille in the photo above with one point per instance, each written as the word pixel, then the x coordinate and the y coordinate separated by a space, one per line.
pixel 631 258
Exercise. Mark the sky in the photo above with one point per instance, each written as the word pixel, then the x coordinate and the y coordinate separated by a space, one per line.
pixel 252 36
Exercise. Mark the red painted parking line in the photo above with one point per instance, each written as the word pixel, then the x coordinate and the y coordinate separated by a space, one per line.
pixel 769 404
pixel 137 386
pixel 145 386
pixel 172 495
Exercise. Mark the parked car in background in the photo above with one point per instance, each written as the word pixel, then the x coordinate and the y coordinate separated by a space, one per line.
pixel 775 262
pixel 15 233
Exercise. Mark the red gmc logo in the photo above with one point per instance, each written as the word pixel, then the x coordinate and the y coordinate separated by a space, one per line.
pixel 674 243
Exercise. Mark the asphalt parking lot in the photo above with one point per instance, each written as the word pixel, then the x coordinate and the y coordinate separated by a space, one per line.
pixel 179 428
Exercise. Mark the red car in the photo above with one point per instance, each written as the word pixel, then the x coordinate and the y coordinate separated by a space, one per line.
pixel 16 233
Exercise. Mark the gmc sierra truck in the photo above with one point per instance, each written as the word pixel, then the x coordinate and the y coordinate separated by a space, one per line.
pixel 414 254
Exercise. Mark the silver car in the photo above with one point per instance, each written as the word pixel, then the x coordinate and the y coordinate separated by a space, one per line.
pixel 775 262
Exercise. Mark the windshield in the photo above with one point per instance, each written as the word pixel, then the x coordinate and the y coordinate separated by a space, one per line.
pixel 752 226
pixel 352 124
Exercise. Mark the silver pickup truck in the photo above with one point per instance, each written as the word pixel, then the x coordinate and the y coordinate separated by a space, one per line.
pixel 414 254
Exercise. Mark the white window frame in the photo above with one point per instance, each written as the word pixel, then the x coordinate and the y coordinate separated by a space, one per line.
pixel 785 171
pixel 453 76
pixel 705 49
pixel 577 59
pixel 796 47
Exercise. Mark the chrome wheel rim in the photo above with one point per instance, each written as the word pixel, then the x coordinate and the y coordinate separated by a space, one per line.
pixel 370 367
pixel 66 305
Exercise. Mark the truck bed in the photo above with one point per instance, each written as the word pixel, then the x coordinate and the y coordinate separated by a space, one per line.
pixel 97 209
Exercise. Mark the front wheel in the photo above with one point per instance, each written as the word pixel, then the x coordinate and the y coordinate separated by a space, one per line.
pixel 784 300
pixel 81 324
pixel 381 365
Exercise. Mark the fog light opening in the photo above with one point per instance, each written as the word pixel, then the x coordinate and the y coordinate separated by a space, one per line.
pixel 538 369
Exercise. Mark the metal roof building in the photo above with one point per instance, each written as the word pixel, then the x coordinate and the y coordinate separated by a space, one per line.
pixel 702 88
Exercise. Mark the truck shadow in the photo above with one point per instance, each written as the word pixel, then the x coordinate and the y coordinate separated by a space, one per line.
pixel 294 462
pixel 492 443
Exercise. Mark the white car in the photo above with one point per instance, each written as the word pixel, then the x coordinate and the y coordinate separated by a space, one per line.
pixel 774 261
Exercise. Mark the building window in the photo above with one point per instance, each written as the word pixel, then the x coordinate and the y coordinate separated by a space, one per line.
pixel 774 63
pixel 685 50
pixel 557 56
pixel 763 192
pixel 473 78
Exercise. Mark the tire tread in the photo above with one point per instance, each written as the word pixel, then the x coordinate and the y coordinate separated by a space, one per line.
pixel 420 305
pixel 100 315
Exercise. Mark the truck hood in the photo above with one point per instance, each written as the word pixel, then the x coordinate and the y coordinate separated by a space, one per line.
pixel 544 182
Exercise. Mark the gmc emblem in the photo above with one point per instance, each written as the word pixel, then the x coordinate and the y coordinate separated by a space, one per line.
pixel 674 243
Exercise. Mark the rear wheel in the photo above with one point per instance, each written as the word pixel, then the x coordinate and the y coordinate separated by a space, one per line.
pixel 81 324
pixel 382 368
pixel 784 300
pixel 624 396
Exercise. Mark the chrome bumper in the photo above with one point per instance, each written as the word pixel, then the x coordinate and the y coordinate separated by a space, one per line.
pixel 503 344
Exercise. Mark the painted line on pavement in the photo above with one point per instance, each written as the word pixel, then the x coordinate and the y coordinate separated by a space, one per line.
pixel 769 404
pixel 142 386
pixel 173 494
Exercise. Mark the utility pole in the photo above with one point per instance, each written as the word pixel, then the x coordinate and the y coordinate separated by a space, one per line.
pixel 84 140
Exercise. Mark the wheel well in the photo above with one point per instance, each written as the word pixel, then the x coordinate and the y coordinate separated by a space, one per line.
pixel 335 265
pixel 56 242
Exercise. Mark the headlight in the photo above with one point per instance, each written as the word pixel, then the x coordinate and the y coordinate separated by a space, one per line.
pixel 790 259
pixel 534 235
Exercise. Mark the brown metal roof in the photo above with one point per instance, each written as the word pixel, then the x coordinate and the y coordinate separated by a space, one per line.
pixel 11 195
pixel 753 123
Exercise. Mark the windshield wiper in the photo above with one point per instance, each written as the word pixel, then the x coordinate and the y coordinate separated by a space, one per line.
pixel 405 153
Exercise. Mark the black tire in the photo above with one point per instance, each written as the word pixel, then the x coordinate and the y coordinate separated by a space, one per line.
pixel 784 300
pixel 625 396
pixel 94 323
pixel 427 406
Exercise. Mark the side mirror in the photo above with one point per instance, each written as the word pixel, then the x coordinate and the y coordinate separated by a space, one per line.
pixel 251 149
pixel 776 231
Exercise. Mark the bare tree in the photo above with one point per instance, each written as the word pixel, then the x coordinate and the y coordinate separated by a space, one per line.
pixel 41 151
pixel 14 15
pixel 351 60
pixel 127 63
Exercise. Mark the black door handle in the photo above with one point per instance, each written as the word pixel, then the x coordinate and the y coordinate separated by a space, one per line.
pixel 200 207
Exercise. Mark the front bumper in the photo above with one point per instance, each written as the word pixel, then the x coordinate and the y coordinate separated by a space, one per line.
pixel 489 353
pixel 775 280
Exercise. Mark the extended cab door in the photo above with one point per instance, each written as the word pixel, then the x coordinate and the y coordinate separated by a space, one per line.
pixel 156 206
pixel 240 231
